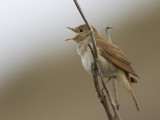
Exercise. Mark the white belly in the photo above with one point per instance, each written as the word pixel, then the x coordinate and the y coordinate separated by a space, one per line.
pixel 87 61
pixel 108 69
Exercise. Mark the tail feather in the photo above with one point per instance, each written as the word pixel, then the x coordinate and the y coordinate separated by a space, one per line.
pixel 126 81
pixel 134 99
pixel 131 91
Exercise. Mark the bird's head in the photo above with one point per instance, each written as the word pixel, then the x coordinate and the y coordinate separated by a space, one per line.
pixel 82 32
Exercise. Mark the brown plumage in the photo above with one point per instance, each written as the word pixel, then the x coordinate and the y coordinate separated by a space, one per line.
pixel 115 55
pixel 113 62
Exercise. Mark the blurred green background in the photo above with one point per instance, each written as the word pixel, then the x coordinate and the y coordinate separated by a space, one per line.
pixel 41 76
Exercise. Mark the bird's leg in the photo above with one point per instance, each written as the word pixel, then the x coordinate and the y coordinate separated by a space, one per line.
pixel 106 83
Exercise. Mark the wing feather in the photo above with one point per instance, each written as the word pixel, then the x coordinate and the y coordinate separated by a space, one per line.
pixel 114 54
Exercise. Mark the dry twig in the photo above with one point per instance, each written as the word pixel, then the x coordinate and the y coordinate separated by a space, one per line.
pixel 95 76
pixel 114 82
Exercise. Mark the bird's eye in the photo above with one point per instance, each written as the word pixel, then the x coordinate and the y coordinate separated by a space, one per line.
pixel 81 30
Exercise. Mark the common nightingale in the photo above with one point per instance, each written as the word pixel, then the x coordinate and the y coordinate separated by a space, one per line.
pixel 112 61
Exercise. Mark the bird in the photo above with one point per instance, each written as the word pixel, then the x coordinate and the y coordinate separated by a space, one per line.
pixel 112 61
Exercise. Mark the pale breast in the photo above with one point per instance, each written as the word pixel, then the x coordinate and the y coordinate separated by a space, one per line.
pixel 87 61
pixel 108 69
pixel 86 57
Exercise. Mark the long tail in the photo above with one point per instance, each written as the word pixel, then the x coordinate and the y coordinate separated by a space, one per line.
pixel 135 100
pixel 126 81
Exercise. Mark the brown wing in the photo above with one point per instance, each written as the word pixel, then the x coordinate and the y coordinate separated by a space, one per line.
pixel 114 54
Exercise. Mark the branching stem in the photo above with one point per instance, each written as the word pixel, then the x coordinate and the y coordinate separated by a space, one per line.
pixel 114 82
pixel 95 76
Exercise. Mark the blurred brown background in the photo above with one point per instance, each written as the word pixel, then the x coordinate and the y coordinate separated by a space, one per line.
pixel 41 76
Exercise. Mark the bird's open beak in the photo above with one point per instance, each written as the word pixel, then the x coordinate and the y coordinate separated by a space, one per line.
pixel 72 38
pixel 72 29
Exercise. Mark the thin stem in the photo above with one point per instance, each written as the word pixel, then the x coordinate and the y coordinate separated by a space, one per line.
pixel 114 82
pixel 108 36
pixel 96 65
pixel 115 90
pixel 89 27
pixel 109 95
pixel 102 97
